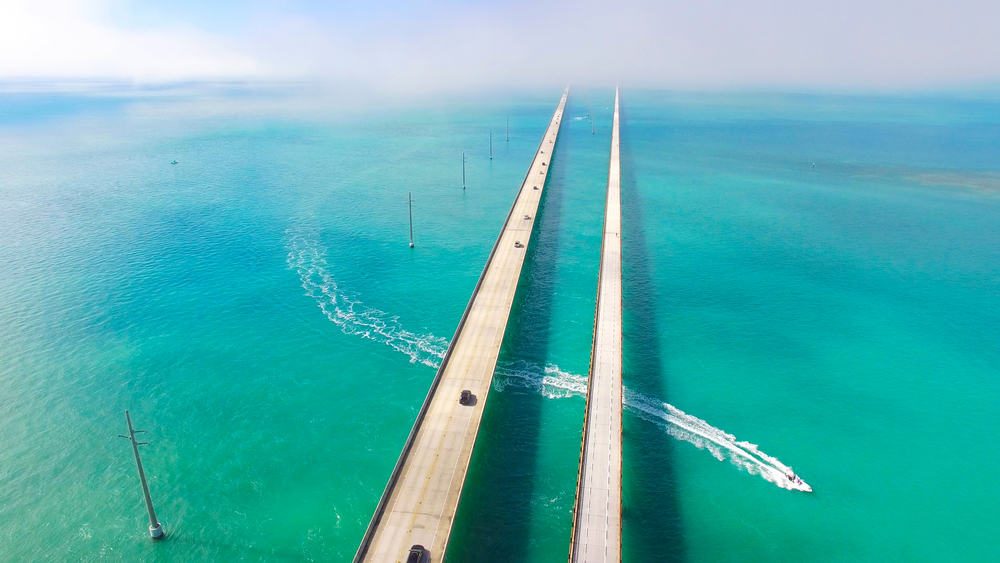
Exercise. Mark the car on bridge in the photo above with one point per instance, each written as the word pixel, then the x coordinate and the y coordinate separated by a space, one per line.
pixel 418 554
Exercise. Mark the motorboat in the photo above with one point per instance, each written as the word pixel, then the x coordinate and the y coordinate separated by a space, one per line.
pixel 797 482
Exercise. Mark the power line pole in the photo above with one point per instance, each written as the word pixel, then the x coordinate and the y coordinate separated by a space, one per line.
pixel 155 529
pixel 410 199
pixel 463 170
pixel 491 144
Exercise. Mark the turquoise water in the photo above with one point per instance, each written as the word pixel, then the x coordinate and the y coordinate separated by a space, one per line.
pixel 817 275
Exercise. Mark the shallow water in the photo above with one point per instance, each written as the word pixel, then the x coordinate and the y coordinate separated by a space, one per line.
pixel 816 275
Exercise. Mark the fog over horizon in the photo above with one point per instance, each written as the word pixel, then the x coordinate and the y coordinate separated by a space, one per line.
pixel 422 47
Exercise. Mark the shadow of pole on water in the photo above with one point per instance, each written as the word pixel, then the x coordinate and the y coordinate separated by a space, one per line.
pixel 493 522
pixel 652 529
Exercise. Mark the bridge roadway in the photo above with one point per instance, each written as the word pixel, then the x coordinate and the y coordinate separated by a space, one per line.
pixel 597 513
pixel 421 498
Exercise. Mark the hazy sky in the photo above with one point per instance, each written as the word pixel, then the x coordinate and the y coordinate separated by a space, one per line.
pixel 449 44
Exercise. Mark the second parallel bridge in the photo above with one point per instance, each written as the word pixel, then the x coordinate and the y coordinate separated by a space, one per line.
pixel 598 510
pixel 419 503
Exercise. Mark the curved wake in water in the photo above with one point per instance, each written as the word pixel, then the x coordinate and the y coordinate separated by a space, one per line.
pixel 307 257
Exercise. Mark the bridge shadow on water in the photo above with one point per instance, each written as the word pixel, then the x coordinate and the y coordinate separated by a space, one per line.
pixel 493 522
pixel 652 528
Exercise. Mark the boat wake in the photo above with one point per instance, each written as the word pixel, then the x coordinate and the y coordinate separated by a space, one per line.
pixel 556 383
pixel 722 445
pixel 307 257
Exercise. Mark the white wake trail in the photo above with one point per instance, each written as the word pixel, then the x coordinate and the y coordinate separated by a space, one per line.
pixel 307 257
pixel 722 445
pixel 555 383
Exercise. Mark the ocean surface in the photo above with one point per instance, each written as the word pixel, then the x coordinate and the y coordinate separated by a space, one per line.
pixel 808 278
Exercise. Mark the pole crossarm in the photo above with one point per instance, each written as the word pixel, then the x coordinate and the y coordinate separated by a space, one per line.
pixel 155 529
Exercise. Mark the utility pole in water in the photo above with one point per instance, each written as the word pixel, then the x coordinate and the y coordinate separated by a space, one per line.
pixel 508 129
pixel 155 529
pixel 463 170
pixel 491 144
pixel 410 198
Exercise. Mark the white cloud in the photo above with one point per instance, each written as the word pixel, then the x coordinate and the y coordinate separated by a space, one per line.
pixel 850 43
pixel 444 45
pixel 67 38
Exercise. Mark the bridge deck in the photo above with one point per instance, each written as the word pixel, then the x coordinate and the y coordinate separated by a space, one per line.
pixel 597 519
pixel 421 498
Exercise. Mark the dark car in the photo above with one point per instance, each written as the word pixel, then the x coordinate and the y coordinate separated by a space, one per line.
pixel 418 554
pixel 466 398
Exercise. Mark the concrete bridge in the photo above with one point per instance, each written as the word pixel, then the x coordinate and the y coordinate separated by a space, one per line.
pixel 419 503
pixel 598 509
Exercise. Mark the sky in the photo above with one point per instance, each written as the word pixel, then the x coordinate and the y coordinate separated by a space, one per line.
pixel 446 45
